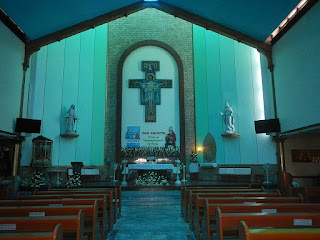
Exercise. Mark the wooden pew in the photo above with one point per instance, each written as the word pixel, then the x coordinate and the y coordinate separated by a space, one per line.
pixel 92 225
pixel 103 216
pixel 76 191
pixel 255 208
pixel 185 189
pixel 245 233
pixel 227 223
pixel 291 191
pixel 312 194
pixel 71 224
pixel 117 195
pixel 185 195
pixel 192 197
pixel 200 202
pixel 5 193
pixel 55 234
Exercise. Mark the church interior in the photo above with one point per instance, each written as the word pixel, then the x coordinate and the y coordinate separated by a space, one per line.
pixel 173 112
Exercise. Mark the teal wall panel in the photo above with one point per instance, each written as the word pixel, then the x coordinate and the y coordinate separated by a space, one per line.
pixel 214 92
pixel 246 103
pixel 230 72
pixel 53 97
pixel 201 105
pixel 69 96
pixel 72 71
pixel 83 152
pixel 99 96
pixel 229 95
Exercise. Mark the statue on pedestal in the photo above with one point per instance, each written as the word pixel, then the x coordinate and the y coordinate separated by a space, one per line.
pixel 71 119
pixel 228 119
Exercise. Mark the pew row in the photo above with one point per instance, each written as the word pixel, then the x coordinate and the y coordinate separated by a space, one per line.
pixel 190 208
pixel 227 223
pixel 186 195
pixel 55 234
pixel 184 190
pixel 103 217
pixel 117 194
pixel 252 208
pixel 92 226
pixel 200 203
pixel 245 233
pixel 73 224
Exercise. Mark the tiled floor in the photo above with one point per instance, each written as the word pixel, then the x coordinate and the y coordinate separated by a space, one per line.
pixel 151 215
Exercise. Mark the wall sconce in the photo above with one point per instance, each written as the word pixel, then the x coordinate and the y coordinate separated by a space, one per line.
pixel 200 149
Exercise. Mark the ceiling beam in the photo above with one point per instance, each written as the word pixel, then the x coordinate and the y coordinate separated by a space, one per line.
pixel 293 21
pixel 12 26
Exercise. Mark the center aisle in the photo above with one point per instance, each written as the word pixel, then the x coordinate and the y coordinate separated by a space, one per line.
pixel 151 215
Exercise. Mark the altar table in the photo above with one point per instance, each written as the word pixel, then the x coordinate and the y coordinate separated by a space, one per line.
pixel 149 167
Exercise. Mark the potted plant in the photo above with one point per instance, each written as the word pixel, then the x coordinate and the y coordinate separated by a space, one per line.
pixel 194 166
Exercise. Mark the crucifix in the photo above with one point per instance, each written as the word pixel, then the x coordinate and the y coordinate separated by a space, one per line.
pixel 150 88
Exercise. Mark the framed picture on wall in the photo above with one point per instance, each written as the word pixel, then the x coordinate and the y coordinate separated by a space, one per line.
pixel 305 156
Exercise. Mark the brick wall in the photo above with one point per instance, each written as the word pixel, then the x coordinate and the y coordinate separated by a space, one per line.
pixel 149 24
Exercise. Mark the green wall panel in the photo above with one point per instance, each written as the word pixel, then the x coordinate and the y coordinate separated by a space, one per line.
pixel 53 97
pixel 72 71
pixel 248 144
pixel 99 96
pixel 229 94
pixel 69 96
pixel 216 126
pixel 228 71
pixel 83 152
pixel 201 105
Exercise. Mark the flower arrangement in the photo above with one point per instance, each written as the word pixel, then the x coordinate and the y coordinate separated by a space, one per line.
pixel 150 151
pixel 151 178
pixel 37 180
pixel 74 180
pixel 193 157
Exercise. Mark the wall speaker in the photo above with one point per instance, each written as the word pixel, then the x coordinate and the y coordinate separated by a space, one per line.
pixel 28 125
pixel 267 126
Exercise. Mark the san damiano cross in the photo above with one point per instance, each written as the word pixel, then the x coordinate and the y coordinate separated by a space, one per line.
pixel 150 88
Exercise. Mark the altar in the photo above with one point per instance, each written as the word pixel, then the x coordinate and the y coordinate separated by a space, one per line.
pixel 134 168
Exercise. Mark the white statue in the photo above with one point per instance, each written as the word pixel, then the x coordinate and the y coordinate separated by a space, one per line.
pixel 228 118
pixel 71 119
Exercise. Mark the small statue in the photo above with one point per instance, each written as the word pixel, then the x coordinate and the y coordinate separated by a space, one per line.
pixel 71 119
pixel 170 138
pixel 228 119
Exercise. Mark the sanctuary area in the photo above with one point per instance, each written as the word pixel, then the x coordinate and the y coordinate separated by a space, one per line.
pixel 185 97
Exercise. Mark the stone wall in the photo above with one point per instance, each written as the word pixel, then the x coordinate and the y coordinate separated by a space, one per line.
pixel 148 24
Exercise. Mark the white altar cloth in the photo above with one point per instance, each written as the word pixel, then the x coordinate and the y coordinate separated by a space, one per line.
pixel 150 167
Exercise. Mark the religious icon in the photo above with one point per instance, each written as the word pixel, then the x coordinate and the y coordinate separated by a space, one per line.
pixel 150 88
pixel 170 138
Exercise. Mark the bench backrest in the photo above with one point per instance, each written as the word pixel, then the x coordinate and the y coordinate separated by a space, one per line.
pixel 33 224
pixel 245 233
pixel 90 212
pixel 274 220
pixel 55 234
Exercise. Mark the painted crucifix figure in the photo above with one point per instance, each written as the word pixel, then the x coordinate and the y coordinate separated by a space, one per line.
pixel 150 88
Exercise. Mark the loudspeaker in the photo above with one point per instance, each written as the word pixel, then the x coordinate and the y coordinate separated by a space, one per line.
pixel 267 126
pixel 28 125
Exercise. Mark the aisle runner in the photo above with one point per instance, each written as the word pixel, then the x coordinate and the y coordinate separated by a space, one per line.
pixel 151 215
